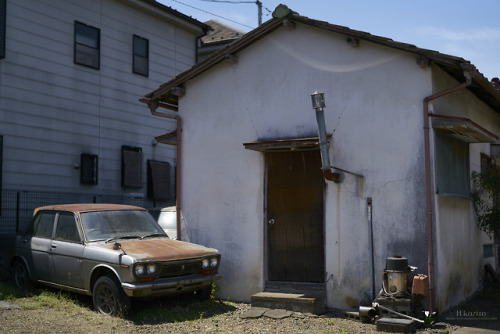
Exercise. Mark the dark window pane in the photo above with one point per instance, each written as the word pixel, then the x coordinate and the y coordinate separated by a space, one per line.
pixel 86 56
pixel 140 46
pixel 66 229
pixel 44 226
pixel 140 65
pixel 87 45
pixel 140 60
pixel 86 35
pixel 452 164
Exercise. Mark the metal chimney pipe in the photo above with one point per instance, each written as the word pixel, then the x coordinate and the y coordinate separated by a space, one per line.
pixel 318 102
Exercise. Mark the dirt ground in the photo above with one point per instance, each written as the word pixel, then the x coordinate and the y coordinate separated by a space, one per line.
pixel 188 316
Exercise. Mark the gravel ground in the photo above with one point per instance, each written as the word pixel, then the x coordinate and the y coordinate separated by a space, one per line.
pixel 232 321
pixel 216 316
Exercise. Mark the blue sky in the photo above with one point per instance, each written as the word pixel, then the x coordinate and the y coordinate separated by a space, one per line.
pixel 467 29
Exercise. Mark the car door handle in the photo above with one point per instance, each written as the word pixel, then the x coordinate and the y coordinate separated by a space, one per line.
pixel 271 221
pixel 24 241
pixel 53 245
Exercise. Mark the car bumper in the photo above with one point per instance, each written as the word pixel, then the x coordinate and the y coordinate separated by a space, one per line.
pixel 169 286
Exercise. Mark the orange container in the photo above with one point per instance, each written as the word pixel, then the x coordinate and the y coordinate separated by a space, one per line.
pixel 420 286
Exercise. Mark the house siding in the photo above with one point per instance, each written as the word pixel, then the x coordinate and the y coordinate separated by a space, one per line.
pixel 375 115
pixel 52 110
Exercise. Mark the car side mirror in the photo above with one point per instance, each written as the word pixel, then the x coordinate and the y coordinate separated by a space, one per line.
pixel 118 246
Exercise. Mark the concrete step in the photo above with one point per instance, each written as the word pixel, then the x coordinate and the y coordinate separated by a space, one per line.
pixel 298 301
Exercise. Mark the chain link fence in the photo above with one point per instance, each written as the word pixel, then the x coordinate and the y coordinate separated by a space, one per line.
pixel 17 205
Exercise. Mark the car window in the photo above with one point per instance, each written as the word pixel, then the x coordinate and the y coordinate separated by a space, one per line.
pixel 102 225
pixel 66 229
pixel 43 226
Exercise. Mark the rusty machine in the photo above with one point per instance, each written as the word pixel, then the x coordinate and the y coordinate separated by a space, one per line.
pixel 400 297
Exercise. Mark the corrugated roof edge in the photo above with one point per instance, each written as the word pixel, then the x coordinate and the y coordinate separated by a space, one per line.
pixel 481 87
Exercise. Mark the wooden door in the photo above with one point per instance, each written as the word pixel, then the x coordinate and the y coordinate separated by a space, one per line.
pixel 295 217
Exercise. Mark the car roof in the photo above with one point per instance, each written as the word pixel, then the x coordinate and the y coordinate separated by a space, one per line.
pixel 77 208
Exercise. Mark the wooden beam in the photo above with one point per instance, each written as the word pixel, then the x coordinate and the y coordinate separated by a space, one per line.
pixel 289 24
pixel 233 59
pixel 352 41
pixel 178 91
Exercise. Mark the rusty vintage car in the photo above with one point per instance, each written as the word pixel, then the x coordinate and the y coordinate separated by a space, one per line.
pixel 111 252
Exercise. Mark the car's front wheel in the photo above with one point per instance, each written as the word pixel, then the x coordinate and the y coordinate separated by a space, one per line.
pixel 22 278
pixel 109 298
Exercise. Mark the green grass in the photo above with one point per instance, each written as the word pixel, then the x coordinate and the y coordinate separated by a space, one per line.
pixel 53 299
pixel 9 292
pixel 173 309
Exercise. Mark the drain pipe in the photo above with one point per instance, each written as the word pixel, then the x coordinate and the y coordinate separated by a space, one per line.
pixel 318 101
pixel 153 105
pixel 370 237
pixel 469 70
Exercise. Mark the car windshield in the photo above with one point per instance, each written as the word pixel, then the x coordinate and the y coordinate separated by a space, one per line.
pixel 109 225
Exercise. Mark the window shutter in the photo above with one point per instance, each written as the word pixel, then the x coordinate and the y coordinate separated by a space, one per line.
pixel 88 168
pixel 131 167
pixel 3 15
pixel 158 180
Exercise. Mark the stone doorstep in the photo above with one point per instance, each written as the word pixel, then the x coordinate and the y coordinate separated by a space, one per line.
pixel 305 302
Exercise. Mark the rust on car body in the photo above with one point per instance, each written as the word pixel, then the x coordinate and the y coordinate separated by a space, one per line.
pixel 112 252
pixel 162 249
pixel 77 208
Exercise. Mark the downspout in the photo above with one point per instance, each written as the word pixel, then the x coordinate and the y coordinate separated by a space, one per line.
pixel 153 105
pixel 370 239
pixel 469 71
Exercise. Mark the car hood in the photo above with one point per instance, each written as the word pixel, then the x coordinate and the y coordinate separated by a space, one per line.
pixel 162 249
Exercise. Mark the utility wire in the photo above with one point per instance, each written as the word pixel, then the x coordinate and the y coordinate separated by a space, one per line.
pixel 201 10
pixel 225 1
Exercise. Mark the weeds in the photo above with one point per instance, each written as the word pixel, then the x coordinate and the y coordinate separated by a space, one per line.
pixel 58 300
pixel 9 292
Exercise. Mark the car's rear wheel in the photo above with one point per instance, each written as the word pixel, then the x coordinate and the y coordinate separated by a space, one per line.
pixel 109 298
pixel 22 278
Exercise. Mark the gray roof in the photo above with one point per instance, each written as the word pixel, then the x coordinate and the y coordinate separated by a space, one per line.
pixel 177 13
pixel 452 65
pixel 220 33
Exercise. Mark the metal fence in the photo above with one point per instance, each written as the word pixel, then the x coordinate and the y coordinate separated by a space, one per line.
pixel 18 205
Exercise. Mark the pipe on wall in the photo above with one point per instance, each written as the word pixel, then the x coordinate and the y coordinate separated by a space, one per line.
pixel 153 105
pixel 370 237
pixel 328 172
pixel 469 70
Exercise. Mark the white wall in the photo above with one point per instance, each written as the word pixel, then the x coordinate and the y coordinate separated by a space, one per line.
pixel 459 243
pixel 52 110
pixel 374 111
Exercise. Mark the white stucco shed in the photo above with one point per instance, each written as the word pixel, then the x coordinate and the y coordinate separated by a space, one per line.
pixel 249 169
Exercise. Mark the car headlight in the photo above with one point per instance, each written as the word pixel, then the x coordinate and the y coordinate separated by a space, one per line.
pixel 151 269
pixel 205 263
pixel 139 269
pixel 214 262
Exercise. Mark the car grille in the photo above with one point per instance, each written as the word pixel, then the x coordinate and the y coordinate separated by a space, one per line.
pixel 180 268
